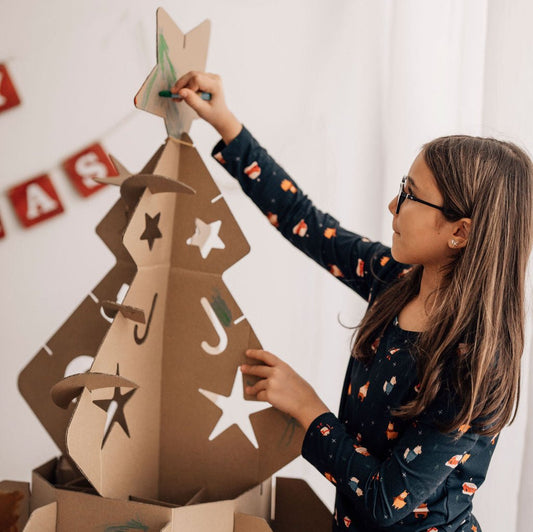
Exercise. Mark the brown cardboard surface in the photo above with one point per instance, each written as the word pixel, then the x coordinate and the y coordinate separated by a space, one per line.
pixel 14 505
pixel 43 519
pixel 80 335
pixel 249 523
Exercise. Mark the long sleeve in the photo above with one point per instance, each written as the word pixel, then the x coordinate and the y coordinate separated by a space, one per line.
pixel 386 491
pixel 346 255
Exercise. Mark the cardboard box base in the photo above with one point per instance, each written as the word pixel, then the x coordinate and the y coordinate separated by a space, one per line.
pixel 89 512
pixel 56 509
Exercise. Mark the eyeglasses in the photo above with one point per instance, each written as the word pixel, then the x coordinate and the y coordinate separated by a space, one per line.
pixel 402 196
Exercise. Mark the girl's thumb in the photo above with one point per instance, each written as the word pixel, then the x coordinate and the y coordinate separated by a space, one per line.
pixel 193 100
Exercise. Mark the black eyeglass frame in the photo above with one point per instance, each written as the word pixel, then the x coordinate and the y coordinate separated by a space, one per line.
pixel 402 196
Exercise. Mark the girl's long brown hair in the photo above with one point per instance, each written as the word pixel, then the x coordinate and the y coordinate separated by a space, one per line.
pixel 476 334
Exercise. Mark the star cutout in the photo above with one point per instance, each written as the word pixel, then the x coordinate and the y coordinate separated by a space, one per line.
pixel 151 231
pixel 115 411
pixel 235 411
pixel 177 54
pixel 206 237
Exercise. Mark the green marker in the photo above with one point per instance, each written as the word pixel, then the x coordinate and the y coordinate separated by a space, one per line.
pixel 167 94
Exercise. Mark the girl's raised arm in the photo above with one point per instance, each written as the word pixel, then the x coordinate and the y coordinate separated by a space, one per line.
pixel 353 259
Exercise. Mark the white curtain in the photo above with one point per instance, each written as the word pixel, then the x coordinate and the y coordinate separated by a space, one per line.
pixel 342 93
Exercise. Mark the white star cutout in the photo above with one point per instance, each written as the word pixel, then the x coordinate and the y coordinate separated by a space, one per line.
pixel 235 411
pixel 206 237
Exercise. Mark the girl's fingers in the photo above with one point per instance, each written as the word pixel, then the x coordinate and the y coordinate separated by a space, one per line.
pixel 197 81
pixel 257 370
pixel 185 80
pixel 262 396
pixel 263 356
pixel 194 100
pixel 259 386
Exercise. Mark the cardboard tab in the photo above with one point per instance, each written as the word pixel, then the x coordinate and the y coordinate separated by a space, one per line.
pixel 122 174
pixel 133 187
pixel 67 389
pixel 131 313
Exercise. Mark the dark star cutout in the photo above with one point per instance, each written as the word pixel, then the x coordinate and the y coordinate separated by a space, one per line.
pixel 151 232
pixel 118 417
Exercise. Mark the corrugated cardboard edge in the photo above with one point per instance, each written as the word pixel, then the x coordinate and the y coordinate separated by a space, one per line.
pixel 43 519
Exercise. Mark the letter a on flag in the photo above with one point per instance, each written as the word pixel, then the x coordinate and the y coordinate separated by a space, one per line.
pixel 35 200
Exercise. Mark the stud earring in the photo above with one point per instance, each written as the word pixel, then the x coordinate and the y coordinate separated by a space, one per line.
pixel 454 243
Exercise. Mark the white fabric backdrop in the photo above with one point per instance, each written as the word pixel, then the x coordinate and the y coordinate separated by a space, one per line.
pixel 342 93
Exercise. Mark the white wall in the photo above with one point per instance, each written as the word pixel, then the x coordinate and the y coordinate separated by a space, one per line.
pixel 322 85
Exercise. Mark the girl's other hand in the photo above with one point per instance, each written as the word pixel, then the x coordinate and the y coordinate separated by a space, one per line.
pixel 283 388
pixel 214 111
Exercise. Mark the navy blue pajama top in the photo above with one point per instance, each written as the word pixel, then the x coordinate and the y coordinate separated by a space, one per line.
pixel 390 474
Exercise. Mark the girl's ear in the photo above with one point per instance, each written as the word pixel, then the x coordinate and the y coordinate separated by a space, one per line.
pixel 461 231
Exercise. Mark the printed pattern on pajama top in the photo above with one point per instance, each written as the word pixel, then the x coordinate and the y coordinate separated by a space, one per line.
pixel 389 474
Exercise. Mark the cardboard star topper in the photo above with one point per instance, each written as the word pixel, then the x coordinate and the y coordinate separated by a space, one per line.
pixel 177 54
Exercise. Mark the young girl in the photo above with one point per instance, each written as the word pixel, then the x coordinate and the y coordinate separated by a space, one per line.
pixel 435 366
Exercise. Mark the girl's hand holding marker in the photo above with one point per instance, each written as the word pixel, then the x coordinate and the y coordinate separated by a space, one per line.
pixel 213 110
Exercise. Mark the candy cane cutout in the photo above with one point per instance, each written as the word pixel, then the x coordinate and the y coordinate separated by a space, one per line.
pixel 223 343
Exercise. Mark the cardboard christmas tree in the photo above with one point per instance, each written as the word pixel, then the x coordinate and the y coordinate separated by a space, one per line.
pixel 157 430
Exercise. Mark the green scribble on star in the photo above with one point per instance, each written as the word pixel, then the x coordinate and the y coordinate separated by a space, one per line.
pixel 164 66
pixel 163 58
pixel 221 310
